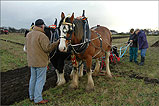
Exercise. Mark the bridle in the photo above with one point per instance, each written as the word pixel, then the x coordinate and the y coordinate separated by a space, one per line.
pixel 71 27
pixel 64 30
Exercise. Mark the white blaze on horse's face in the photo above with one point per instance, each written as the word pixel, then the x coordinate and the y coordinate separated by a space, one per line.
pixel 62 46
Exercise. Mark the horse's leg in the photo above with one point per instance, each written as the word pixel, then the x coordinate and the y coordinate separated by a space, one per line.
pixel 58 63
pixel 74 82
pixel 107 64
pixel 71 75
pixel 58 77
pixel 81 70
pixel 97 68
pixel 90 83
pixel 61 79
pixel 61 73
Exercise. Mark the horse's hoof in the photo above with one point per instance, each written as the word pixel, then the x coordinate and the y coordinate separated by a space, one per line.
pixel 61 83
pixel 71 76
pixel 72 86
pixel 80 75
pixel 57 82
pixel 95 74
pixel 109 76
pixel 89 89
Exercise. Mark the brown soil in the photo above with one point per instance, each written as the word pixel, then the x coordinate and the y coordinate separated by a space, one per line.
pixel 15 83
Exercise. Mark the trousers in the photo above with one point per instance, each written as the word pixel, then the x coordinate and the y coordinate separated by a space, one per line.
pixel 143 52
pixel 133 51
pixel 37 81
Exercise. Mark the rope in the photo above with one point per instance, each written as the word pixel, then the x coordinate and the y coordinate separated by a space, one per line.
pixel 96 54
pixel 53 54
pixel 82 44
pixel 102 39
pixel 85 42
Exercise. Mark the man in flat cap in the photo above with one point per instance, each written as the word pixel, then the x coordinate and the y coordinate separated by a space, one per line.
pixel 38 48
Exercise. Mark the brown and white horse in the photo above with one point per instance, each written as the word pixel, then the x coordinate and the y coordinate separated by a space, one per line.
pixel 99 45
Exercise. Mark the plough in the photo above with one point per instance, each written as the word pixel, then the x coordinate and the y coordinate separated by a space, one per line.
pixel 114 56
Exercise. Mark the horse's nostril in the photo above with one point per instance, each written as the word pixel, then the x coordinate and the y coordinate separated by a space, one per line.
pixel 64 48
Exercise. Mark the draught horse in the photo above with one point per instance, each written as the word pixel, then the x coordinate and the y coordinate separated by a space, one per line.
pixel 99 45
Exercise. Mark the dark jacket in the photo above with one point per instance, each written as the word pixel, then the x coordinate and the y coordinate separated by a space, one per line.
pixel 133 37
pixel 142 40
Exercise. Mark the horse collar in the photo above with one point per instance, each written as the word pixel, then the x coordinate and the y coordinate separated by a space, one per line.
pixel 81 48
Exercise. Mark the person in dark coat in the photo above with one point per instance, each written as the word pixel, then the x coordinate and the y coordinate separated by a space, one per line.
pixel 143 44
pixel 133 50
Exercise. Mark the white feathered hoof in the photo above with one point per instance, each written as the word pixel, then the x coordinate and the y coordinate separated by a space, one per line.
pixel 61 80
pixel 71 76
pixel 89 88
pixel 80 75
pixel 61 83
pixel 109 75
pixel 73 86
pixel 95 74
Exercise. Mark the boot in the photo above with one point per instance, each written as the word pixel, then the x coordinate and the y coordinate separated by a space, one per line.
pixel 136 62
pixel 130 58
pixel 142 61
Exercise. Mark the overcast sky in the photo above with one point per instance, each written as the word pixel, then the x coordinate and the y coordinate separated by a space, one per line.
pixel 115 15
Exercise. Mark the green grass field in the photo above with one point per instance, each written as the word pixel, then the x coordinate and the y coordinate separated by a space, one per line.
pixel 12 55
pixel 15 37
pixel 120 90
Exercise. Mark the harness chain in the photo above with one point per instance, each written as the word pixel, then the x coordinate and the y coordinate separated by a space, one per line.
pixel 53 54
pixel 82 44
pixel 101 49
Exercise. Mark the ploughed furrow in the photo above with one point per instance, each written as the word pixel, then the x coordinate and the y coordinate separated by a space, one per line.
pixel 15 83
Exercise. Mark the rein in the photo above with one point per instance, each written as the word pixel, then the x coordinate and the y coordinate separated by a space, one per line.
pixel 85 43
pixel 89 41
pixel 101 49
pixel 53 55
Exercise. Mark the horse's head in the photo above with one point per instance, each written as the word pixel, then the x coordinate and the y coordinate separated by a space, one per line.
pixel 66 29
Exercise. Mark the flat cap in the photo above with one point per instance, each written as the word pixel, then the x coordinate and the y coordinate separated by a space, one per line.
pixel 39 22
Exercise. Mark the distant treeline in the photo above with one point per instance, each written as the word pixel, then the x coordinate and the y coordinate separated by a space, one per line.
pixel 13 30
pixel 147 31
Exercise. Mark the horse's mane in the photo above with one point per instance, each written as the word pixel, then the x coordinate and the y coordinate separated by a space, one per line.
pixel 78 28
pixel 47 32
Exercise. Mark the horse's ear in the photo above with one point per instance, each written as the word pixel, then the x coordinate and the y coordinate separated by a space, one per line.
pixel 72 17
pixel 62 15
pixel 55 23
